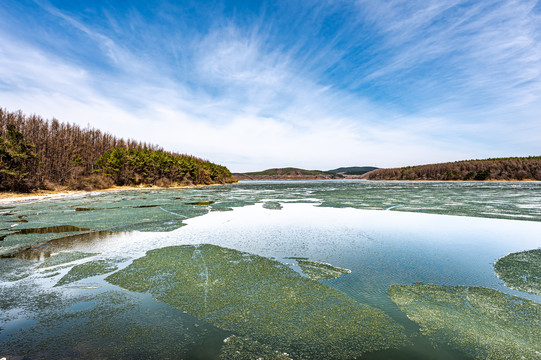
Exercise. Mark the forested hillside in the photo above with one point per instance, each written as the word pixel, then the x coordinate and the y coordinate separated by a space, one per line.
pixel 514 168
pixel 46 154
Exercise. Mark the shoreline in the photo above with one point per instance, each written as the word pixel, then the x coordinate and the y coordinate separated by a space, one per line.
pixel 43 195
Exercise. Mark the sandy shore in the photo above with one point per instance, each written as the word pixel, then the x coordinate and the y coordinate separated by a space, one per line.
pixel 9 197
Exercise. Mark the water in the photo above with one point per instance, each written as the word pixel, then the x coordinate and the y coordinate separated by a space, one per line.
pixel 385 233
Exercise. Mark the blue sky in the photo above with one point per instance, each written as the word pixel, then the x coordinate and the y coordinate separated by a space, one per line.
pixel 259 84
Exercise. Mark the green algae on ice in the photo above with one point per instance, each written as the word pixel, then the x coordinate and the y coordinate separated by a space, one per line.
pixel 64 258
pixel 272 205
pixel 480 322
pixel 521 271
pixel 316 270
pixel 237 348
pixel 253 296
pixel 88 269
pixel 14 270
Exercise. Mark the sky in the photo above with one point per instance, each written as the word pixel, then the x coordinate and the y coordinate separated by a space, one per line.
pixel 260 84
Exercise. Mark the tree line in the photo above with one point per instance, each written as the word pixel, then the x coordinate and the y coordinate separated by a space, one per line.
pixel 512 168
pixel 36 153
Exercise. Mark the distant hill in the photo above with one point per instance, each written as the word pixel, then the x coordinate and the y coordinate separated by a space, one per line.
pixel 352 170
pixel 289 173
pixel 512 168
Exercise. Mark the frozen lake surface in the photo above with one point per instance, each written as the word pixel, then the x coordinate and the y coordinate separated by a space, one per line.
pixel 272 270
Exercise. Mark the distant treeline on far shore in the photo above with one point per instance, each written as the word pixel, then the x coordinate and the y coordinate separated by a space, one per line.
pixel 513 168
pixel 47 154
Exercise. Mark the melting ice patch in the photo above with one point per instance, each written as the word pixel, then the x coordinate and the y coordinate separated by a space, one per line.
pixel 316 270
pixel 89 269
pixel 521 270
pixel 263 299
pixel 483 323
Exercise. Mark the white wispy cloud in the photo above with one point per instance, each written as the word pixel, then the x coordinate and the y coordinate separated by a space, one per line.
pixel 487 51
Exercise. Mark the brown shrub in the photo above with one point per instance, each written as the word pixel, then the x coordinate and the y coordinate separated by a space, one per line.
pixel 92 182
pixel 164 182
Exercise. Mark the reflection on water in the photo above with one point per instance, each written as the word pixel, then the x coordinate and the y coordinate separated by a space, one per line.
pixel 50 230
pixel 67 243
pixel 201 203
pixel 325 233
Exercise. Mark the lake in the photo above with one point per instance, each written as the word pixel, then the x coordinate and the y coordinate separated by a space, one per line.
pixel 275 270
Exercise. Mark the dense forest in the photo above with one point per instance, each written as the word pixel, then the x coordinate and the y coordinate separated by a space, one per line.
pixel 46 154
pixel 513 168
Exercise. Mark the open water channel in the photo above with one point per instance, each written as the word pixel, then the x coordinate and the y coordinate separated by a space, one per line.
pixel 275 270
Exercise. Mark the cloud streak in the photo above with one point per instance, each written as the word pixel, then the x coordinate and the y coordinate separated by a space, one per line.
pixel 490 49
